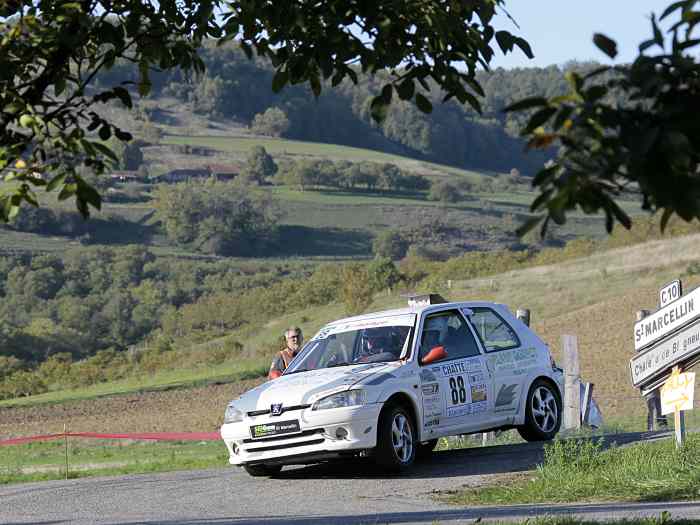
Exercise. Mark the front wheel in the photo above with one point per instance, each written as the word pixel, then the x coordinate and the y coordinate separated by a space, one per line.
pixel 262 470
pixel 396 439
pixel 542 412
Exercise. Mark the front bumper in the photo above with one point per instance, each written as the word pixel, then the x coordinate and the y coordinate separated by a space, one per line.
pixel 323 434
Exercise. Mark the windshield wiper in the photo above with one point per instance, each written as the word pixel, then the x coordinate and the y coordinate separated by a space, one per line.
pixel 342 363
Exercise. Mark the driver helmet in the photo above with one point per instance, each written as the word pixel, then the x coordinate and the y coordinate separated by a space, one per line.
pixel 375 341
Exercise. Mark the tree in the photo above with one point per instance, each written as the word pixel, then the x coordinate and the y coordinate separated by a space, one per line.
pixel 389 244
pixel 259 165
pixel 624 129
pixel 444 192
pixel 52 50
pixel 356 289
pixel 273 122
pixel 383 274
pixel 215 217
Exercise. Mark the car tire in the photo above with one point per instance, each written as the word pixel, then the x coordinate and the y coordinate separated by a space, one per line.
pixel 396 439
pixel 425 449
pixel 543 412
pixel 262 470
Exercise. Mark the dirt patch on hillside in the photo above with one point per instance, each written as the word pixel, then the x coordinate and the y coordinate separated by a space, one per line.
pixel 187 410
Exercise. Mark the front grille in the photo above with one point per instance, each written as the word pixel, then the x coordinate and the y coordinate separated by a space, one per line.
pixel 286 445
pixel 254 413
pixel 303 433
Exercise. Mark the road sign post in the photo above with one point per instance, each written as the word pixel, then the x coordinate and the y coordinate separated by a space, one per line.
pixel 676 396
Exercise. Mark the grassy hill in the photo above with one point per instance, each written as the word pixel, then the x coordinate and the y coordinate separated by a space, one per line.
pixel 594 298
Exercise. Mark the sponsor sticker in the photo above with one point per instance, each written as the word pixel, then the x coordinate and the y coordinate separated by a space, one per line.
pixel 274 429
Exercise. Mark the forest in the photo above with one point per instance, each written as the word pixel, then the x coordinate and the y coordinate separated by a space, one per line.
pixel 453 133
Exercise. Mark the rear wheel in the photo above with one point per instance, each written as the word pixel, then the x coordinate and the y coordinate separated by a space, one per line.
pixel 542 412
pixel 262 470
pixel 396 439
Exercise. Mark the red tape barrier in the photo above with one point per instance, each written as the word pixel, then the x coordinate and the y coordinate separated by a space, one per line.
pixel 154 436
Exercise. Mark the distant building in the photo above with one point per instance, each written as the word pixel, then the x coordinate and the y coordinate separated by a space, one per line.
pixel 124 176
pixel 184 174
pixel 224 171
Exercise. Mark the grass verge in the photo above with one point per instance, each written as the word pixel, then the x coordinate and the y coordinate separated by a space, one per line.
pixel 663 519
pixel 580 470
pixel 46 460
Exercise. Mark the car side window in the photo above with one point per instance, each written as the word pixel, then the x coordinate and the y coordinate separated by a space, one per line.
pixel 495 333
pixel 448 329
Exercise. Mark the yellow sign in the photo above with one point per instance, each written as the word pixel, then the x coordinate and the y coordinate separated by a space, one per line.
pixel 677 392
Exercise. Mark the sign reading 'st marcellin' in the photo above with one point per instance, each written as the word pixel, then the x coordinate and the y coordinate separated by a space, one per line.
pixel 656 360
pixel 667 319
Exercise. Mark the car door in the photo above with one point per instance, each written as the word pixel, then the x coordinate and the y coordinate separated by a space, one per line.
pixel 457 392
pixel 508 361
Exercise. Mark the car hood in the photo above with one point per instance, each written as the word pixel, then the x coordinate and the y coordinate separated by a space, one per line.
pixel 303 388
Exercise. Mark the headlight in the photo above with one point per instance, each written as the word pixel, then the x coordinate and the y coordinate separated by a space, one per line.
pixel 341 399
pixel 232 415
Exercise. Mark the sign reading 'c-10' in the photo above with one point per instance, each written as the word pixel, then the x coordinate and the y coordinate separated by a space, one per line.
pixel 667 319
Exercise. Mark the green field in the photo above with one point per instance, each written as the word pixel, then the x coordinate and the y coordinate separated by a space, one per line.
pixel 283 147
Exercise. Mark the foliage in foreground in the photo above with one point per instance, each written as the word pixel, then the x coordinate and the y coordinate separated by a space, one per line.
pixel 580 470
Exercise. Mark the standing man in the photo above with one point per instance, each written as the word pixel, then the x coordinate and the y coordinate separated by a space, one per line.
pixel 294 338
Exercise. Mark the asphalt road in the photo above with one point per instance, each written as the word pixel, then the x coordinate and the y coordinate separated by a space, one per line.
pixel 338 493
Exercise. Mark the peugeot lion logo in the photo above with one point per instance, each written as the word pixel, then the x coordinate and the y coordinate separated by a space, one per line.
pixel 276 409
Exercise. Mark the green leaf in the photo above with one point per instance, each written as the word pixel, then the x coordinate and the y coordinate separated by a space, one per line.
pixel 87 193
pixel 406 89
pixel 67 191
pixel 505 41
pixel 528 225
pixel 107 152
pixel 124 136
pixel 524 47
pixel 538 119
pixel 668 212
pixel 671 8
pixel 379 108
pixel 315 83
pixel 105 132
pixel 526 103
pixel 123 95
pixel 279 80
pixel 605 44
pixel 423 103
pixel 620 215
pixel 55 182
pixel 59 86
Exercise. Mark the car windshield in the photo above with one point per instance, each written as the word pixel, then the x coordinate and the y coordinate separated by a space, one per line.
pixel 350 345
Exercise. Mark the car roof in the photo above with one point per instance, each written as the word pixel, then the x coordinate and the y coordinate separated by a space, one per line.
pixel 418 310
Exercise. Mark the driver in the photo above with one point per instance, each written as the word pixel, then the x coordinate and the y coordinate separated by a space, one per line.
pixel 374 341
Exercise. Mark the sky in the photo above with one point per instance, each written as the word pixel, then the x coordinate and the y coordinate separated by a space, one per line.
pixel 562 30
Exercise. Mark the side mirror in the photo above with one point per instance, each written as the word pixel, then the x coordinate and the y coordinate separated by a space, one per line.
pixel 435 354
pixel 274 374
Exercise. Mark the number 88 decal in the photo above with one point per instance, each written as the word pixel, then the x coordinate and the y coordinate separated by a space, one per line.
pixel 459 393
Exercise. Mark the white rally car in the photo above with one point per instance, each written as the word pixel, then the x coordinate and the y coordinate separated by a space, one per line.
pixel 389 384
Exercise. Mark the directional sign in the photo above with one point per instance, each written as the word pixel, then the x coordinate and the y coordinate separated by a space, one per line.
pixel 660 357
pixel 670 293
pixel 667 319
pixel 677 392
